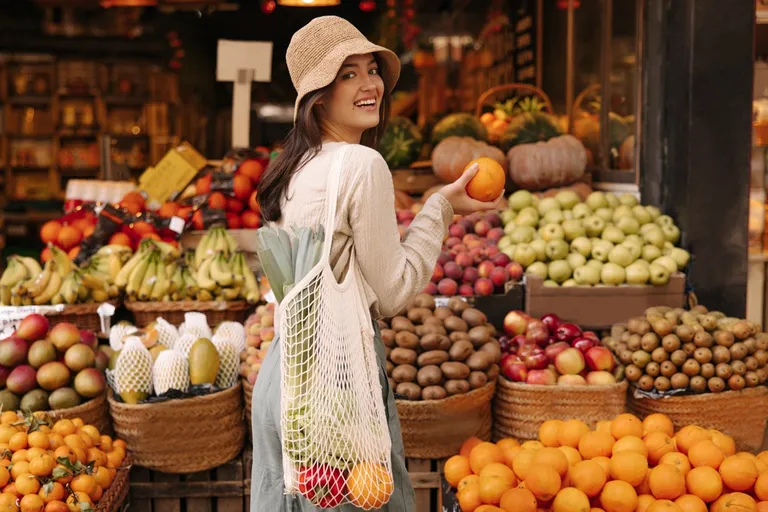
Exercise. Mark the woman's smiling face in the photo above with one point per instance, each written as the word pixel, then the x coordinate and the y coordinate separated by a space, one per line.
pixel 353 101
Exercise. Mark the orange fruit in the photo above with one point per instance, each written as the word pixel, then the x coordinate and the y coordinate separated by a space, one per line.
pixel 38 440
pixel 588 476
pixel 508 443
pixel 115 458
pixel 484 454
pixel 763 456
pixel 664 506
pixel 666 482
pixel 691 503
pixel 75 500
pixel 604 426
pixel 543 481
pixel 723 441
pixel 498 470
pixel 50 231
pixel 618 496
pixel 93 433
pixel 19 468
pixel 739 473
pixel 97 494
pixel 762 506
pixel 42 466
pixel 469 498
pixel 5 476
pixel 56 506
pixel 465 450
pixel 658 423
pixel 690 435
pixel 626 425
pixel 65 451
pixel 468 481
pixel 596 444
pixel 630 467
pixel 368 485
pixel 532 445
pixel 488 183
pixel 705 453
pixel 35 453
pixel 6 432
pixel 8 417
pixel 55 440
pixel 522 463
pixel 64 427
pixel 27 483
pixel 32 503
pixel 658 444
pixel 572 454
pixel 11 489
pixel 18 441
pixel 553 458
pixel 55 493
pixel 570 500
pixel 604 462
pixel 678 460
pixel 571 433
pixel 456 468
pixel 8 503
pixel 630 443
pixel 20 455
pixel 75 442
pixel 761 487
pixel 105 443
pixel 704 482
pixel 84 483
pixel 643 502
pixel 549 432
pixel 518 500
pixel 734 502
pixel 492 488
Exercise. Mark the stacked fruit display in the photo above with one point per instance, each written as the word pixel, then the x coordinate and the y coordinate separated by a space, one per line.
pixel 67 232
pixel 215 270
pixel 434 352
pixel 55 368
pixel 622 465
pixel 546 351
pixel 60 466
pixel 60 281
pixel 698 350
pixel 161 358
pixel 606 239
pixel 259 333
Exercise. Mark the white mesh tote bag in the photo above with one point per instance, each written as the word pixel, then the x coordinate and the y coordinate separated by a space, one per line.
pixel 336 444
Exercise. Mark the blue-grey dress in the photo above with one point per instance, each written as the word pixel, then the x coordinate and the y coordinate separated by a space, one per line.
pixel 267 489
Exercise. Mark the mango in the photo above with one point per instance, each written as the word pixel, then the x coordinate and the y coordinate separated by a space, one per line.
pixel 204 362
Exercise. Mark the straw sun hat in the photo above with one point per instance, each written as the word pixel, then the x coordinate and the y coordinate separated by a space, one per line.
pixel 318 50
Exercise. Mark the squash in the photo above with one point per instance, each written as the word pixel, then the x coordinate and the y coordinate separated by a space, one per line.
pixel 557 162
pixel 451 156
pixel 586 128
pixel 528 128
pixel 459 125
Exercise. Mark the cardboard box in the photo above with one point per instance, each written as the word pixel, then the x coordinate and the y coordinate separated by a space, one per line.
pixel 600 307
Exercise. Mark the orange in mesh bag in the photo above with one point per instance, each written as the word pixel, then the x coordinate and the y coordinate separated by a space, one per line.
pixel 335 437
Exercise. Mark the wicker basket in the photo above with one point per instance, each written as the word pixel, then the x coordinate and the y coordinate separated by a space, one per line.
pixel 93 412
pixel 185 435
pixel 435 429
pixel 740 414
pixel 82 315
pixel 520 409
pixel 173 312
pixel 116 494
pixel 247 394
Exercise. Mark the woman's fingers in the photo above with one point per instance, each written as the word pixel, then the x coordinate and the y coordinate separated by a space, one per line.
pixel 468 174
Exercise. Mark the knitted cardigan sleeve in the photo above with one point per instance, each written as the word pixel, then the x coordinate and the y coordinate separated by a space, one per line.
pixel 395 270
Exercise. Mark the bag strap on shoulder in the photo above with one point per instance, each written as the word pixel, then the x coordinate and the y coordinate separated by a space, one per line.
pixel 332 197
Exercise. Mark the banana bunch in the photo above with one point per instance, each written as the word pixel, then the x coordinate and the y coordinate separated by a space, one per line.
pixel 20 273
pixel 215 240
pixel 223 276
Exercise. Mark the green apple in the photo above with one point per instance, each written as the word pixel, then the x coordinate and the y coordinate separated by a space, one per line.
pixel 568 214
pixel 538 269
pixel 629 225
pixel 548 204
pixel 664 220
pixel 601 249
pixel 554 217
pixel 582 245
pixel 620 256
pixel 540 246
pixel 586 275
pixel 573 229
pixel 559 270
pixel 507 216
pixel 645 228
pixel 520 199
pixel 612 274
pixel 522 234
pixel 509 228
pixel 681 257
pixel 510 251
pixel 576 260
pixel 668 246
pixel 621 211
pixel 655 237
pixel 637 239
pixel 549 283
pixel 613 234
pixel 605 213
pixel 596 200
pixel 524 254
pixel 628 199
pixel 596 264
pixel 635 249
pixel 567 199
pixel 641 214
pixel 650 252
pixel 527 219
pixel 557 249
pixel 570 283
pixel 581 211
pixel 594 225
pixel 671 233
pixel 659 274
pixel 654 212
pixel 551 232
pixel 612 200
pixel 504 242
pixel 666 262
pixel 638 273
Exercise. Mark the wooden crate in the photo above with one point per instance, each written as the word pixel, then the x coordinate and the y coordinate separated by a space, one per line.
pixel 219 490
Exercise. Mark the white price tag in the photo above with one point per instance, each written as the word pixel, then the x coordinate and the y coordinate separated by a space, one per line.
pixel 106 311
pixel 97 209
pixel 10 316
pixel 176 224
pixel 442 302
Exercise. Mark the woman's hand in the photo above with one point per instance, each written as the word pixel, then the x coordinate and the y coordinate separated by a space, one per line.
pixel 456 194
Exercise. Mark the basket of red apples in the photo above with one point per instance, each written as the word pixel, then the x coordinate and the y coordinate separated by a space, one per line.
pixel 553 370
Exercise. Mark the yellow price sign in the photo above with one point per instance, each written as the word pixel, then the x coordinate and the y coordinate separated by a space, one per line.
pixel 171 175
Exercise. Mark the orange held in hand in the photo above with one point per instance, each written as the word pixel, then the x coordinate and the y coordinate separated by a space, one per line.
pixel 488 183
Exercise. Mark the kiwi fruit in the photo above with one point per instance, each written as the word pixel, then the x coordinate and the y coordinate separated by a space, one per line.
pixel 653 369
pixel 707 370
pixel 751 363
pixel 442 313
pixel 474 317
pixel 640 358
pixel 659 355
pixel 689 348
pixel 645 383
pixel 738 351
pixel 721 354
pixel 715 384
pixel 679 381
pixel 691 367
pixel 684 332
pixel 668 369
pixel 679 357
pixel 736 382
pixel 455 324
pixel 739 367
pixel 649 342
pixel 723 370
pixel 457 305
pixel 724 338
pixel 703 339
pixel 633 373
pixel 698 384
pixel 662 383
pixel 751 379
pixel 611 343
pixel 702 355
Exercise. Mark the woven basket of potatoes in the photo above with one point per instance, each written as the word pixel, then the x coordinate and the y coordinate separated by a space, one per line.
pixel 442 363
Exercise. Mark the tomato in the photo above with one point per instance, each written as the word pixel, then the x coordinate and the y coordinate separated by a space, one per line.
pixel 322 485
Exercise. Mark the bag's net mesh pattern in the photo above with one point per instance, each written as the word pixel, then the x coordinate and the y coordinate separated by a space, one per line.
pixel 133 369
pixel 230 362
pixel 171 371
pixel 234 331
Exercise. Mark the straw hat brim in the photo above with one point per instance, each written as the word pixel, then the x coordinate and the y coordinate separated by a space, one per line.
pixel 324 73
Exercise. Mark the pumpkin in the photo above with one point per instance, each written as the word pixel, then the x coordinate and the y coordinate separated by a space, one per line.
pixel 451 156
pixel 557 162
pixel 459 125
pixel 587 129
pixel 401 142
pixel 528 128
pixel 627 153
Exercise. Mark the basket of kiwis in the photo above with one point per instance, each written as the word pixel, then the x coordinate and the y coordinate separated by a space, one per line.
pixel 442 363
pixel 698 367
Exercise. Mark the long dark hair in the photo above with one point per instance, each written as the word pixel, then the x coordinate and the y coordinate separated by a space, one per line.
pixel 302 143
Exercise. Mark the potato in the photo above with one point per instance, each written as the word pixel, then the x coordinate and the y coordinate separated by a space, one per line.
pixel 429 376
pixel 388 338
pixel 454 323
pixel 456 387
pixel 433 357
pixel 454 370
pixel 458 336
pixel 493 372
pixel 389 366
pixel 461 350
pixel 474 317
pixel 479 361
pixel 477 380
pixel 418 315
pixel 479 336
pixel 457 305
pixel 433 393
pixel 400 323
pixel 493 349
pixel 409 390
pixel 406 339
pixel 442 313
pixel 434 329
pixel 401 355
pixel 425 300
pixel 404 373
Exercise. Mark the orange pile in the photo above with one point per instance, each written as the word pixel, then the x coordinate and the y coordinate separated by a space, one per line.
pixel 624 465
pixel 54 467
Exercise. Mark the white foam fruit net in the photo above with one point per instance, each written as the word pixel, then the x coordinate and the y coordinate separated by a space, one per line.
pixel 133 369
pixel 230 363
pixel 234 331
pixel 118 333
pixel 171 371
pixel 167 333
pixel 184 342
pixel 197 324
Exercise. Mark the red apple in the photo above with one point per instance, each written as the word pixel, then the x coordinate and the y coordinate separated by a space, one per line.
pixel 482 228
pixel 484 286
pixel 453 271
pixel 33 327
pixel 491 251
pixel 515 322
pixel 477 254
pixel 89 338
pixel 235 205
pixel 552 322
pixel 520 340
pixel 493 219
pixel 470 238
pixel 541 377
pixel 536 361
pixel 466 290
pixel 444 258
pixel 431 288
pixel 459 248
pixel 495 234
pixel 251 220
pixel 583 344
pixel 537 332
pixel 570 362
pixel 4 373
pixel 600 359
pixel 470 275
pixel 515 271
pixel 234 221
pixel 499 276
pixel 600 378
pixel 464 260
pixel 437 273
pixel 526 350
pixel 514 370
pixel 571 380
pixel 451 242
pixel 554 349
pixel 567 332
pixel 447 287
pixel 468 224
pixel 591 335
pixel 500 259
pixel 457 230
pixel 485 268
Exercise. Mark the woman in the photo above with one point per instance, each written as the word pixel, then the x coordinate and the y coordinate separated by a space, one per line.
pixel 344 84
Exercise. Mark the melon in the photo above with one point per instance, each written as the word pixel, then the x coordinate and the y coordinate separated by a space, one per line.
pixel 459 125
pixel 528 128
pixel 401 143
